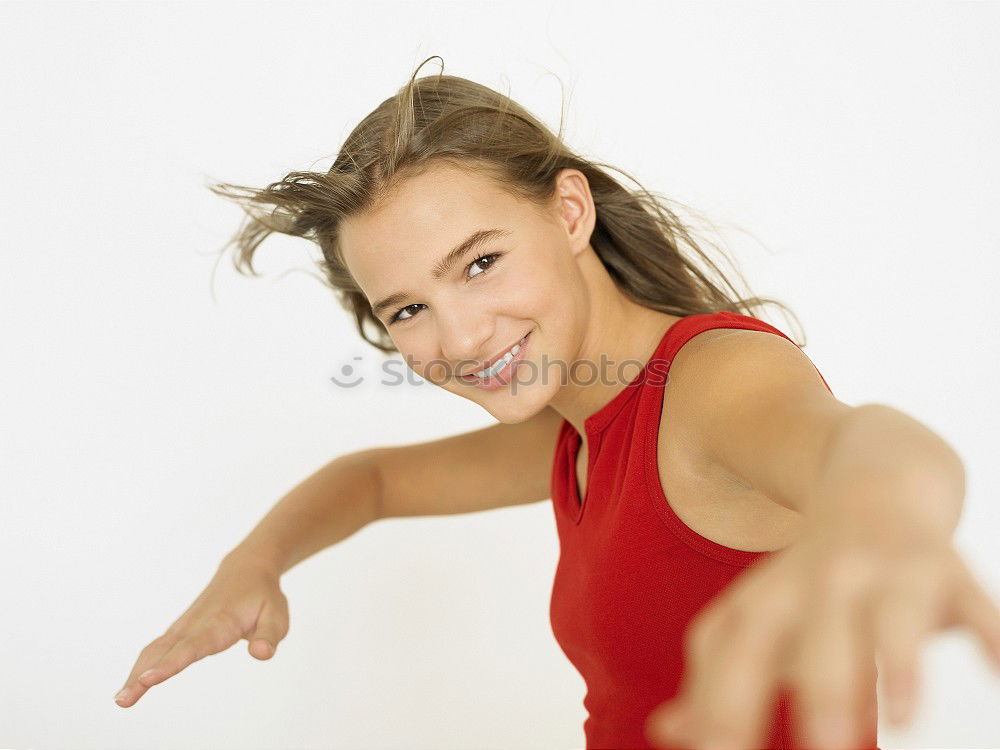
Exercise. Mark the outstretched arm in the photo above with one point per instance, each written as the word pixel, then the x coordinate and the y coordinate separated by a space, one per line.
pixel 874 570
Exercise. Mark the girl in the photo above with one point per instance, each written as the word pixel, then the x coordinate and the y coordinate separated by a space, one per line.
pixel 735 549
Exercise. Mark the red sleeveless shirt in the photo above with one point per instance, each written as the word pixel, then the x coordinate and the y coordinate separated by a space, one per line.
pixel 631 574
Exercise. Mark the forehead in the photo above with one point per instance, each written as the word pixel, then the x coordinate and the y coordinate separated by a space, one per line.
pixel 419 220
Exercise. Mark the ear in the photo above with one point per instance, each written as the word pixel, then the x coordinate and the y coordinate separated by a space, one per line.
pixel 576 208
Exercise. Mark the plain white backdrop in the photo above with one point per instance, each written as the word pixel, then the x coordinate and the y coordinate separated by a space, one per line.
pixel 849 150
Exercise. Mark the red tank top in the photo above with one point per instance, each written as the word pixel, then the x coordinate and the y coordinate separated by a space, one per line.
pixel 631 574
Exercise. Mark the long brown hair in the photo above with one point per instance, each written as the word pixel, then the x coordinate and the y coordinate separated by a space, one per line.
pixel 448 119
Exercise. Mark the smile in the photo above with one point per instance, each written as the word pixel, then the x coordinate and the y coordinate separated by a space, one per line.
pixel 497 374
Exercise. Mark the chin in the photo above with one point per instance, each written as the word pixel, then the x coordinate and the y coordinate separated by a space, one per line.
pixel 517 409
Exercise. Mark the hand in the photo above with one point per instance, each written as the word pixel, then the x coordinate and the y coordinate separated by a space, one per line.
pixel 809 618
pixel 243 600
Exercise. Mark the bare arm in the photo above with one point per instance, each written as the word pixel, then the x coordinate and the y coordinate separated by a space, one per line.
pixel 487 468
pixel 323 509
pixel 496 466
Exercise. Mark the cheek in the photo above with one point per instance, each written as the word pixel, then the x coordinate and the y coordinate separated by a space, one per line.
pixel 526 292
pixel 421 359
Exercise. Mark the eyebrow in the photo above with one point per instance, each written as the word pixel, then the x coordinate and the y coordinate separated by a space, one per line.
pixel 442 266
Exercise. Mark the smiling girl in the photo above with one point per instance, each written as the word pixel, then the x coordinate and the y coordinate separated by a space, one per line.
pixel 735 549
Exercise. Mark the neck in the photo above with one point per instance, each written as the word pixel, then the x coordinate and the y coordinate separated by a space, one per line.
pixel 619 339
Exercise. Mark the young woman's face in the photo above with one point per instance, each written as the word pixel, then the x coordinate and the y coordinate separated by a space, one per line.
pixel 521 279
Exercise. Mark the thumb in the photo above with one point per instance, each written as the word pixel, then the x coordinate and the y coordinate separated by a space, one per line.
pixel 261 648
pixel 263 641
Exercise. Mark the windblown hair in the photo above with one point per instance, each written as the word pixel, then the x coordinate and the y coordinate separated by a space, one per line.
pixel 442 119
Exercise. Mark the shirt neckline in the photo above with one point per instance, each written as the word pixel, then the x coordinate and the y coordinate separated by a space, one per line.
pixel 604 415
pixel 600 419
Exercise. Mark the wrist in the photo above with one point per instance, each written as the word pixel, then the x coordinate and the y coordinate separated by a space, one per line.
pixel 887 507
pixel 256 556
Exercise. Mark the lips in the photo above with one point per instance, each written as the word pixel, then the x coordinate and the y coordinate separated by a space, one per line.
pixel 497 358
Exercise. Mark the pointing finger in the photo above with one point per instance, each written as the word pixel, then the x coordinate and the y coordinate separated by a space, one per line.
pixel 739 682
pixel 209 640
pixel 133 690
pixel 903 616
pixel 829 659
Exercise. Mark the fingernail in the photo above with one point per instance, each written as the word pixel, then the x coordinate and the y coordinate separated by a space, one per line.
pixel 122 694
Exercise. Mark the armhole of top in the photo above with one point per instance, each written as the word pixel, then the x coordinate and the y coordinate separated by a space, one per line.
pixel 656 493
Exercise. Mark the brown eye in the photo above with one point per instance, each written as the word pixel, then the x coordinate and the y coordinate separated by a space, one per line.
pixel 491 257
pixel 396 315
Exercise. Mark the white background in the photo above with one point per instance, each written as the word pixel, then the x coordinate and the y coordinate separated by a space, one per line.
pixel 850 150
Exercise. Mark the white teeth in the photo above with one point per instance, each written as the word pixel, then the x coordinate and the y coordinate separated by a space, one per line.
pixel 500 363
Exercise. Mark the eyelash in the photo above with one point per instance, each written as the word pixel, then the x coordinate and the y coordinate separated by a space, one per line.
pixel 494 256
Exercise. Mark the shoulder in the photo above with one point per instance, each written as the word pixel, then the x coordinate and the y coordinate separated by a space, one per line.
pixel 715 364
pixel 719 350
pixel 747 405
pixel 684 391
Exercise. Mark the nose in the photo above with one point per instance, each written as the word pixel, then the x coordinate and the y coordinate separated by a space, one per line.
pixel 463 336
